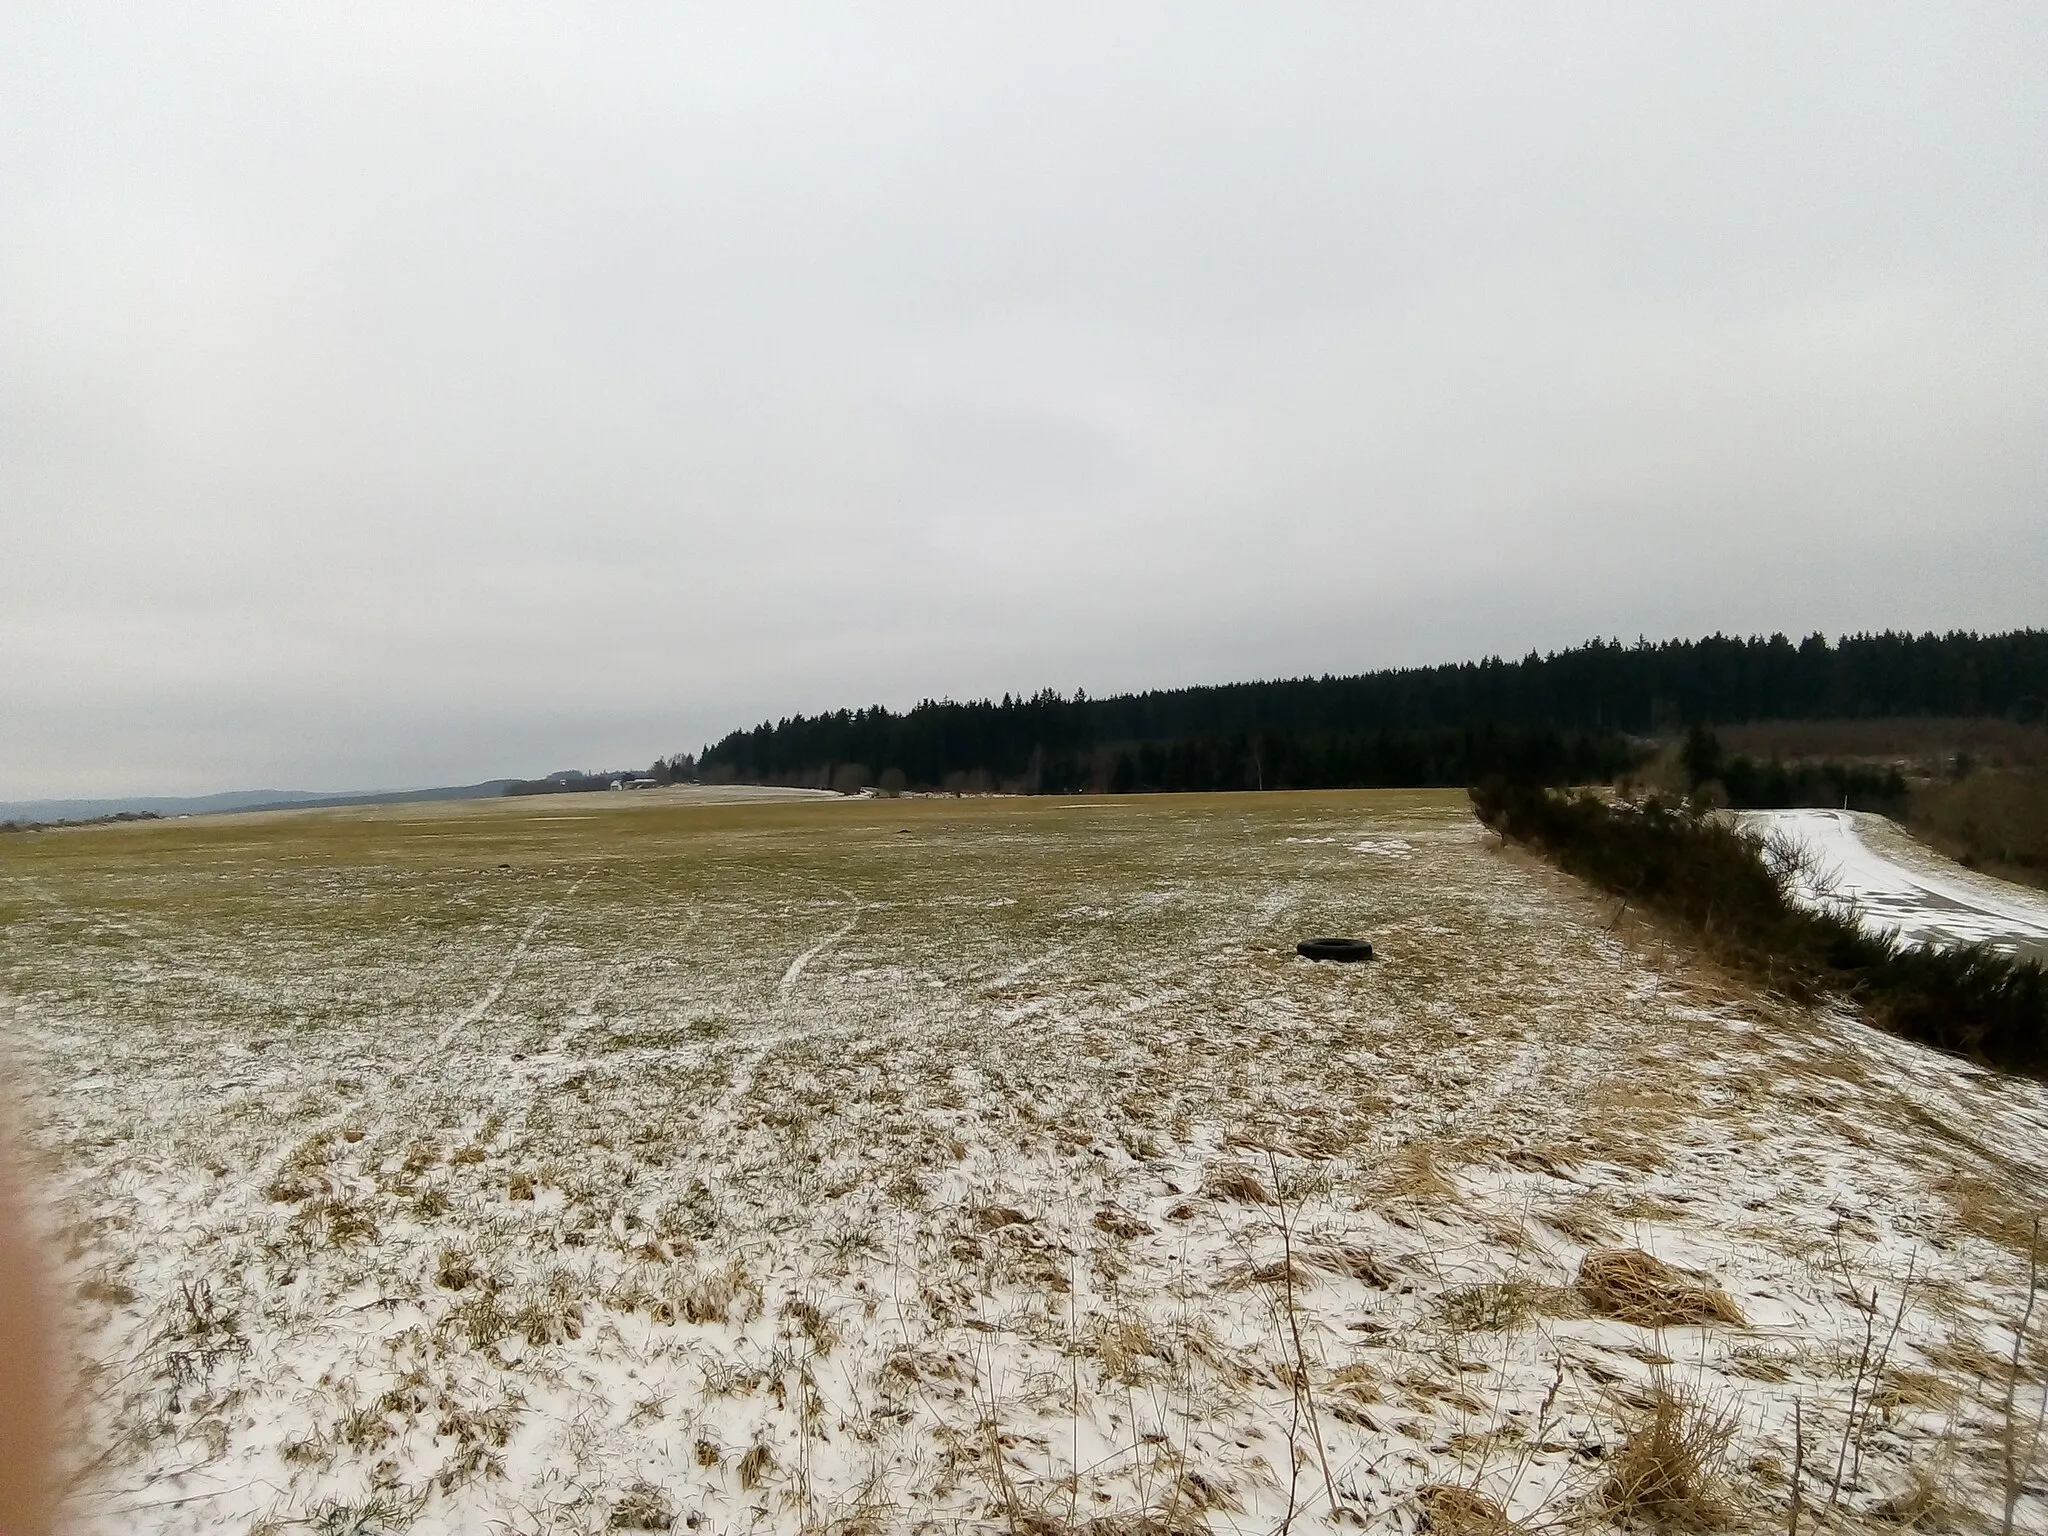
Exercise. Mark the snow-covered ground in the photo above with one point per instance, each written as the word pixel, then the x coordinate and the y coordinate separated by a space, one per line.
pixel 1895 884
pixel 870 1166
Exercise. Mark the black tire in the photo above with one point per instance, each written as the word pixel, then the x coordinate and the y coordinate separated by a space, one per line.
pixel 1344 951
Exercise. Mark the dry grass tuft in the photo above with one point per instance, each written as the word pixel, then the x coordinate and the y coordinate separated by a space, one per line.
pixel 1349 1260
pixel 1235 1181
pixel 812 1324
pixel 1926 1503
pixel 1120 1223
pixel 643 1507
pixel 302 1174
pixel 1409 1174
pixel 1761 1363
pixel 456 1269
pixel 548 1317
pixel 1901 1387
pixel 1585 1221
pixel 1274 1271
pixel 1494 1306
pixel 1961 1356
pixel 112 1292
pixel 1635 1287
pixel 1128 1350
pixel 756 1467
pixel 708 1295
pixel 337 1220
pixel 480 1320
pixel 1200 1494
pixel 1669 1472
pixel 1993 1209
pixel 1448 1510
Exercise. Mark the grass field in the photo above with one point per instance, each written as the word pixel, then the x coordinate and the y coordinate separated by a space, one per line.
pixel 600 1162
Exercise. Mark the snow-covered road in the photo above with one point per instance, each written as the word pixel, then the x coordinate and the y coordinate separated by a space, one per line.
pixel 1907 888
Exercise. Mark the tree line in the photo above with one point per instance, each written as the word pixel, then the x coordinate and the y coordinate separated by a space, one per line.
pixel 1745 784
pixel 1568 712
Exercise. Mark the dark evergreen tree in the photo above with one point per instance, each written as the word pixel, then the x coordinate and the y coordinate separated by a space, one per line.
pixel 1316 730
pixel 1701 756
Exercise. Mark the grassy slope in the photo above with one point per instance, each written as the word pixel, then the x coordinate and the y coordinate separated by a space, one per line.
pixel 872 1162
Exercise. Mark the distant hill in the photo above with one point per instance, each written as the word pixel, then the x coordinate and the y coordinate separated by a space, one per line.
pixel 235 800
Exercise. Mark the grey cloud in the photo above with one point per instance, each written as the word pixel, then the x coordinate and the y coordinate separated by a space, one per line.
pixel 401 394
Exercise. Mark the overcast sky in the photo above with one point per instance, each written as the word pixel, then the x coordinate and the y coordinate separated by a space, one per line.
pixel 414 394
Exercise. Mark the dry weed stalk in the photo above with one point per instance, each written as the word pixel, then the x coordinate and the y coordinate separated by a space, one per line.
pixel 1868 1370
pixel 1798 1463
pixel 1304 1392
pixel 2017 1471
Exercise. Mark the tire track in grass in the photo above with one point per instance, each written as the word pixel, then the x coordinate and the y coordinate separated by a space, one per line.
pixel 582 1019
pixel 1018 972
pixel 748 1052
pixel 478 1010
pixel 795 973
pixel 583 1016
pixel 403 1073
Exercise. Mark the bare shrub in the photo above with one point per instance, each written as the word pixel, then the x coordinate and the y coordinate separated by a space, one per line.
pixel 1635 1287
